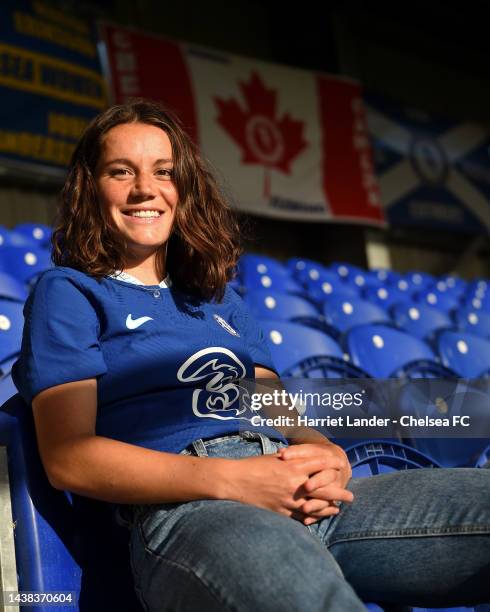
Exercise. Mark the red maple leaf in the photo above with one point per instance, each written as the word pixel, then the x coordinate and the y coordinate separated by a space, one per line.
pixel 264 139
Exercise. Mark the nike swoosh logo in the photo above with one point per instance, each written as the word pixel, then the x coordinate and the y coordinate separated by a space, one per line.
pixel 135 323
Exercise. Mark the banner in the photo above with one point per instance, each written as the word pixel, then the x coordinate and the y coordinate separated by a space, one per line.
pixel 50 84
pixel 287 143
pixel 431 172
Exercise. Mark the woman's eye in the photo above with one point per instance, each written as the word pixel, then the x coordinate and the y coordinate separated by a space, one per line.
pixel 119 171
pixel 166 173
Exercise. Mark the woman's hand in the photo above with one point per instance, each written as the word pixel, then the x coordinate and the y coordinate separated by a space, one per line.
pixel 281 485
pixel 321 488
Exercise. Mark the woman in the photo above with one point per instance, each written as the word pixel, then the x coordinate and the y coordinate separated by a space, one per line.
pixel 130 350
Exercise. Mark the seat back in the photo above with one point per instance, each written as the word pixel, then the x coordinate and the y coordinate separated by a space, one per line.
pixel 291 343
pixel 63 542
pixel 344 313
pixel 277 306
pixel 467 355
pixel 418 319
pixel 384 351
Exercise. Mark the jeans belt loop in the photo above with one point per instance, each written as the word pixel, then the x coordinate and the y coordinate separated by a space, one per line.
pixel 265 442
pixel 199 448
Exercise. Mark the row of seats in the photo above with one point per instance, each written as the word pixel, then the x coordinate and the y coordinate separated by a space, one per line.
pixel 382 287
pixel 56 548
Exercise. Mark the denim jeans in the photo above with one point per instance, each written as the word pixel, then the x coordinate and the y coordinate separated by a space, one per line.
pixel 418 537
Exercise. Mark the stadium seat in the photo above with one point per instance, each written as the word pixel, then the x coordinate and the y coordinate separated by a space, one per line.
pixel 25 263
pixel 343 313
pixel 373 457
pixel 347 271
pixel 440 299
pixel 63 543
pixel 385 352
pixel 321 284
pixel 11 326
pixel 473 321
pixel 11 288
pixel 298 351
pixel 385 276
pixel 274 279
pixel 419 279
pixel 38 232
pixel 419 320
pixel 277 306
pixel 386 297
pixel 467 355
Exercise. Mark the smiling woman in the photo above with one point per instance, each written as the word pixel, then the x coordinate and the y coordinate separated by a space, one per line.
pixel 137 157
pixel 135 385
pixel 134 184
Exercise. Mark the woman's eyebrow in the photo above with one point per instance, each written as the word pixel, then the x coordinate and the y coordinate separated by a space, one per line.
pixel 123 160
pixel 119 160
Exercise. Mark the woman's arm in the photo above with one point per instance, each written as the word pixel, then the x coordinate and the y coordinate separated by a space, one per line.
pixel 77 459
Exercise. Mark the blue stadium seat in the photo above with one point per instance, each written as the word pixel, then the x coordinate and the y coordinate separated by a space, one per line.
pixel 277 306
pixel 11 288
pixel 274 278
pixel 373 457
pixel 344 312
pixel 385 276
pixel 251 263
pixel 322 284
pixel 299 351
pixel 483 460
pixel 347 271
pixel 440 299
pixel 386 297
pixel 420 320
pixel 38 232
pixel 419 279
pixel 473 321
pixel 467 355
pixel 11 326
pixel 63 542
pixel 4 236
pixel 24 262
pixel 385 352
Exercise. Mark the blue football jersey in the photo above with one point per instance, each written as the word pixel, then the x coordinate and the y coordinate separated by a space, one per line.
pixel 167 365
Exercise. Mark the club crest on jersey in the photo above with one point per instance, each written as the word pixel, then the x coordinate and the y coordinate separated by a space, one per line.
pixel 226 325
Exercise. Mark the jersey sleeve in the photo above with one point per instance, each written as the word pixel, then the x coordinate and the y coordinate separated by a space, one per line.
pixel 60 339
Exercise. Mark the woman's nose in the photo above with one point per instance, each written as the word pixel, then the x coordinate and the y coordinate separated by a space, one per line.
pixel 142 186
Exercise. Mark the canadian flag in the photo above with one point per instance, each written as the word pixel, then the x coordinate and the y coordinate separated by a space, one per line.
pixel 285 142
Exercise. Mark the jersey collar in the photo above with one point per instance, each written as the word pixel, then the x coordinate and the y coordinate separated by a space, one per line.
pixel 129 278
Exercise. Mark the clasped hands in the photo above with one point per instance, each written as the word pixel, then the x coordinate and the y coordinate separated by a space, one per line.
pixel 324 488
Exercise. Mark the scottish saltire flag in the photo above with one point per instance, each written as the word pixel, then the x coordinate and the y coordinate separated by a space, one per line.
pixel 286 142
pixel 431 172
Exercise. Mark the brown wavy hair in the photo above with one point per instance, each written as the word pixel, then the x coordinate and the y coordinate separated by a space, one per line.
pixel 203 248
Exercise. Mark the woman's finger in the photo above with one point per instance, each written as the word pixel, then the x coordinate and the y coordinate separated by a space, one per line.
pixel 332 492
pixel 321 479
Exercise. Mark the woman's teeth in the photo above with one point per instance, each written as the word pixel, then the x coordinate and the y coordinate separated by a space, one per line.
pixel 144 213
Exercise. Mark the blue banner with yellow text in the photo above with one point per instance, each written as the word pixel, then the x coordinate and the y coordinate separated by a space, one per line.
pixel 50 84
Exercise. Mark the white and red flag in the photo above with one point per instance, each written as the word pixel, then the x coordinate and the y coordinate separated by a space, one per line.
pixel 286 142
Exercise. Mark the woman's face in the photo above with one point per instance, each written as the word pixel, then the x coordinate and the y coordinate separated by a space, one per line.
pixel 135 187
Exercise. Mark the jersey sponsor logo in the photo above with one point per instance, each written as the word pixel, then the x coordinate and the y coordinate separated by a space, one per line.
pixel 226 325
pixel 135 323
pixel 216 371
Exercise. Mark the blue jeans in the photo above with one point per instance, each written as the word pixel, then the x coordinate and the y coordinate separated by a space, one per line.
pixel 418 537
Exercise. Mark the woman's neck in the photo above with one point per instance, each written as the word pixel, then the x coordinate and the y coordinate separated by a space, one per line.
pixel 146 273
